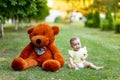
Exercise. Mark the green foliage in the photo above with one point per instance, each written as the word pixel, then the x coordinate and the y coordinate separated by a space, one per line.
pixel 93 20
pixel 117 17
pixel 103 49
pixel 42 10
pixel 96 20
pixel 104 5
pixel 109 17
pixel 90 16
pixel 58 19
pixel 2 20
pixel 117 28
pixel 104 24
pixel 117 23
pixel 22 9
pixel 108 23
pixel 89 22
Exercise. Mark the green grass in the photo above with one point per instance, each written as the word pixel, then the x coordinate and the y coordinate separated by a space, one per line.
pixel 103 49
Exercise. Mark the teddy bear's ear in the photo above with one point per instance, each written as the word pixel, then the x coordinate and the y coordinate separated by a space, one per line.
pixel 55 29
pixel 30 30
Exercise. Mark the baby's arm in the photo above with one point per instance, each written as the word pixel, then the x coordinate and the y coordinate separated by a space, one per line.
pixel 84 54
pixel 71 60
pixel 71 63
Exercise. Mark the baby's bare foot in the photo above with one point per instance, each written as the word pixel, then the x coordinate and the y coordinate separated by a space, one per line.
pixel 76 68
pixel 99 68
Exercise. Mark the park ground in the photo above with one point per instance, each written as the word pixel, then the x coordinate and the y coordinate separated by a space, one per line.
pixel 103 49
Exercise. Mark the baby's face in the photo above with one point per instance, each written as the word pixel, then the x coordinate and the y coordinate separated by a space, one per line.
pixel 76 45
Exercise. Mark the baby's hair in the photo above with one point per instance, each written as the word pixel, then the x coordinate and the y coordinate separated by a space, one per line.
pixel 72 39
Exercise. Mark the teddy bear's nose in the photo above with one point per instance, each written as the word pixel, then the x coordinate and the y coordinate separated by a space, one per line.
pixel 38 41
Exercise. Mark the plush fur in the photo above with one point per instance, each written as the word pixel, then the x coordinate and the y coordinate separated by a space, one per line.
pixel 41 51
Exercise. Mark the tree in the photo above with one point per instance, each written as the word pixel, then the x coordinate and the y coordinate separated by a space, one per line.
pixel 89 22
pixel 72 5
pixel 96 20
pixel 41 12
pixel 104 5
pixel 110 19
pixel 1 27
pixel 32 9
pixel 19 10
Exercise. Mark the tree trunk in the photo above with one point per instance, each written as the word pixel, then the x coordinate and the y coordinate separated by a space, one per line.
pixel 22 26
pixel 1 31
pixel 16 24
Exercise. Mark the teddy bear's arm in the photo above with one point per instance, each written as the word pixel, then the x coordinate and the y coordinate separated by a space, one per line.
pixel 26 51
pixel 57 55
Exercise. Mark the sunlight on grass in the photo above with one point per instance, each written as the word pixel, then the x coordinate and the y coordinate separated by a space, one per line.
pixel 2 59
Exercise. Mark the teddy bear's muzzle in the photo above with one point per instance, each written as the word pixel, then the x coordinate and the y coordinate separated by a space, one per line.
pixel 38 41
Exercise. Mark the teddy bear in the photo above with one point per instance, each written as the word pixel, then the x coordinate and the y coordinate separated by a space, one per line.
pixel 41 51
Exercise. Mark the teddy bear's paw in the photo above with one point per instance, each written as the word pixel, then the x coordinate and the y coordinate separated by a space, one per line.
pixel 51 65
pixel 18 64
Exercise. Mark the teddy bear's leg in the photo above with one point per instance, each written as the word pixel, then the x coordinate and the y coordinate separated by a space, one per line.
pixel 21 64
pixel 60 59
pixel 51 65
pixel 18 63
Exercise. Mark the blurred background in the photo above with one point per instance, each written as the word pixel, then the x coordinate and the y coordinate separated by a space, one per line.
pixel 103 14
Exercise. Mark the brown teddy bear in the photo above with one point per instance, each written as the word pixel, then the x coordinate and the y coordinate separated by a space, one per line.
pixel 41 51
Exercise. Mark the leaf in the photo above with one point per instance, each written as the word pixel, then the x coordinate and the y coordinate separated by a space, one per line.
pixel 13 2
pixel 22 2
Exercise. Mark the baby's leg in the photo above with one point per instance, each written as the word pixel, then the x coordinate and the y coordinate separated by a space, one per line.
pixel 91 65
pixel 73 66
pixel 99 68
pixel 69 65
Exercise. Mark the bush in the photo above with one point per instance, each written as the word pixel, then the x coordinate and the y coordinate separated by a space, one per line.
pixel 90 16
pixel 117 28
pixel 104 24
pixel 107 24
pixel 89 22
pixel 93 20
pixel 96 20
pixel 110 20
pixel 58 19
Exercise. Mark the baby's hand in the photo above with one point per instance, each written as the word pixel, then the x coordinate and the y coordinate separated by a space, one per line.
pixel 83 58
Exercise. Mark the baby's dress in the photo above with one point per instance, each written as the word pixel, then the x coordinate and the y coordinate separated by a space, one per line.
pixel 76 55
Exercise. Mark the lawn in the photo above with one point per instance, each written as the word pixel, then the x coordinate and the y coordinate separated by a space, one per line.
pixel 103 49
